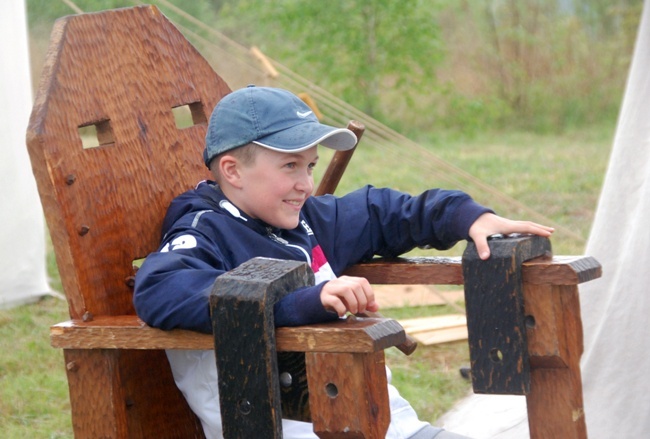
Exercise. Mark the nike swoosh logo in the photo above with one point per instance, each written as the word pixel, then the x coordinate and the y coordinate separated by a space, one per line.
pixel 302 115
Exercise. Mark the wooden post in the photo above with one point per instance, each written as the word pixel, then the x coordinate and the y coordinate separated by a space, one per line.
pixel 495 314
pixel 539 313
pixel 348 395
pixel 555 404
pixel 347 384
pixel 339 163
pixel 241 304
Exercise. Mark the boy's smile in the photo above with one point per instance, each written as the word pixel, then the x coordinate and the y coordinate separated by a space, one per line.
pixel 275 186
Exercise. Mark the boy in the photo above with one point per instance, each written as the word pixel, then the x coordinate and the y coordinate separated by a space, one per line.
pixel 261 147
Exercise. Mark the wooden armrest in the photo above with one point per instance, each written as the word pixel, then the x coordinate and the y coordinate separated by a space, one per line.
pixel 123 332
pixel 129 332
pixel 349 335
pixel 353 334
pixel 558 270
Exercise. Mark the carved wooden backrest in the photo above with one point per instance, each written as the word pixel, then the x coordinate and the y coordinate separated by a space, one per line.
pixel 121 74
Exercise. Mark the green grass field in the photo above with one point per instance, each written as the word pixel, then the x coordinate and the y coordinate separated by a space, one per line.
pixel 556 177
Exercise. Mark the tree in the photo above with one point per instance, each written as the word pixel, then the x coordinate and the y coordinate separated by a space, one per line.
pixel 361 50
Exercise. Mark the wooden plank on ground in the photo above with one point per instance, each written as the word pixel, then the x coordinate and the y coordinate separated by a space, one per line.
pixel 438 329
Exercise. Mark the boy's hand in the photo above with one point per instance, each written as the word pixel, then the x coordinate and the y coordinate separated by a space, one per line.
pixel 490 224
pixel 348 293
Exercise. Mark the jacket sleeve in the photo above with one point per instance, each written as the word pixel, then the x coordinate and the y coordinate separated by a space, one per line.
pixel 302 307
pixel 173 286
pixel 373 221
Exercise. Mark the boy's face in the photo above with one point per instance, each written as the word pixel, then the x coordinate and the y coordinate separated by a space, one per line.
pixel 275 186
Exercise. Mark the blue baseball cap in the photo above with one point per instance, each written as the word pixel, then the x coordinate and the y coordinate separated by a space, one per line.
pixel 270 117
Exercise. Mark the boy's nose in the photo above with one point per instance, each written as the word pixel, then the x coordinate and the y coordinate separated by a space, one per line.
pixel 305 183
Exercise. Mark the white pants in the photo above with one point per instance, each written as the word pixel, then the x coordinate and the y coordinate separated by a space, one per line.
pixel 195 373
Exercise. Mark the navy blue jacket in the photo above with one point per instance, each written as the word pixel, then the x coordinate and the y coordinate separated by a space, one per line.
pixel 204 235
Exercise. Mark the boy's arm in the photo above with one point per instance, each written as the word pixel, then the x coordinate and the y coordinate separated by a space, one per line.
pixel 302 307
pixel 326 301
pixel 374 221
pixel 173 287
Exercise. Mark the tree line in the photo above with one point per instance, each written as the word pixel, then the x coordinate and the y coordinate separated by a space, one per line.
pixel 455 65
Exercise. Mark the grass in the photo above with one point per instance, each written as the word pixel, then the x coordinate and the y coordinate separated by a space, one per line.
pixel 558 177
pixel 33 388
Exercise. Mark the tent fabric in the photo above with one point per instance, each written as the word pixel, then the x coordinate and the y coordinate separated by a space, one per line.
pixel 615 308
pixel 23 275
pixel 488 416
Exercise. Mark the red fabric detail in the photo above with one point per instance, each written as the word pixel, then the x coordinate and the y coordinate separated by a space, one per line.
pixel 318 258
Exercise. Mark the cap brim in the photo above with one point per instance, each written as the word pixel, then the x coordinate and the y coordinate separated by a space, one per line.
pixel 305 136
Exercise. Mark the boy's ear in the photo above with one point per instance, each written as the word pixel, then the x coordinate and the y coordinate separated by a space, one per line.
pixel 229 170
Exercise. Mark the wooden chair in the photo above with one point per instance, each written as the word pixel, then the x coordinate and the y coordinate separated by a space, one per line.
pixel 121 75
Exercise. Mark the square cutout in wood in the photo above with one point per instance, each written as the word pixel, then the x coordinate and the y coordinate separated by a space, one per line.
pixel 96 134
pixel 188 115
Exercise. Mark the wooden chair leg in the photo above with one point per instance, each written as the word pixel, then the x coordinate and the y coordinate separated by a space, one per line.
pixel 93 394
pixel 114 394
pixel 347 395
pixel 555 402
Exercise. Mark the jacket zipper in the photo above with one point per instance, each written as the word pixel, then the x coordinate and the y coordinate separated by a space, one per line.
pixel 284 242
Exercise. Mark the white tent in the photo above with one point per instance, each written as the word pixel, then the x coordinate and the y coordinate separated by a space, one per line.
pixel 23 275
pixel 616 307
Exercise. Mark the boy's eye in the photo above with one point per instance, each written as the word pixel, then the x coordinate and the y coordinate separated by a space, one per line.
pixel 291 165
pixel 312 165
